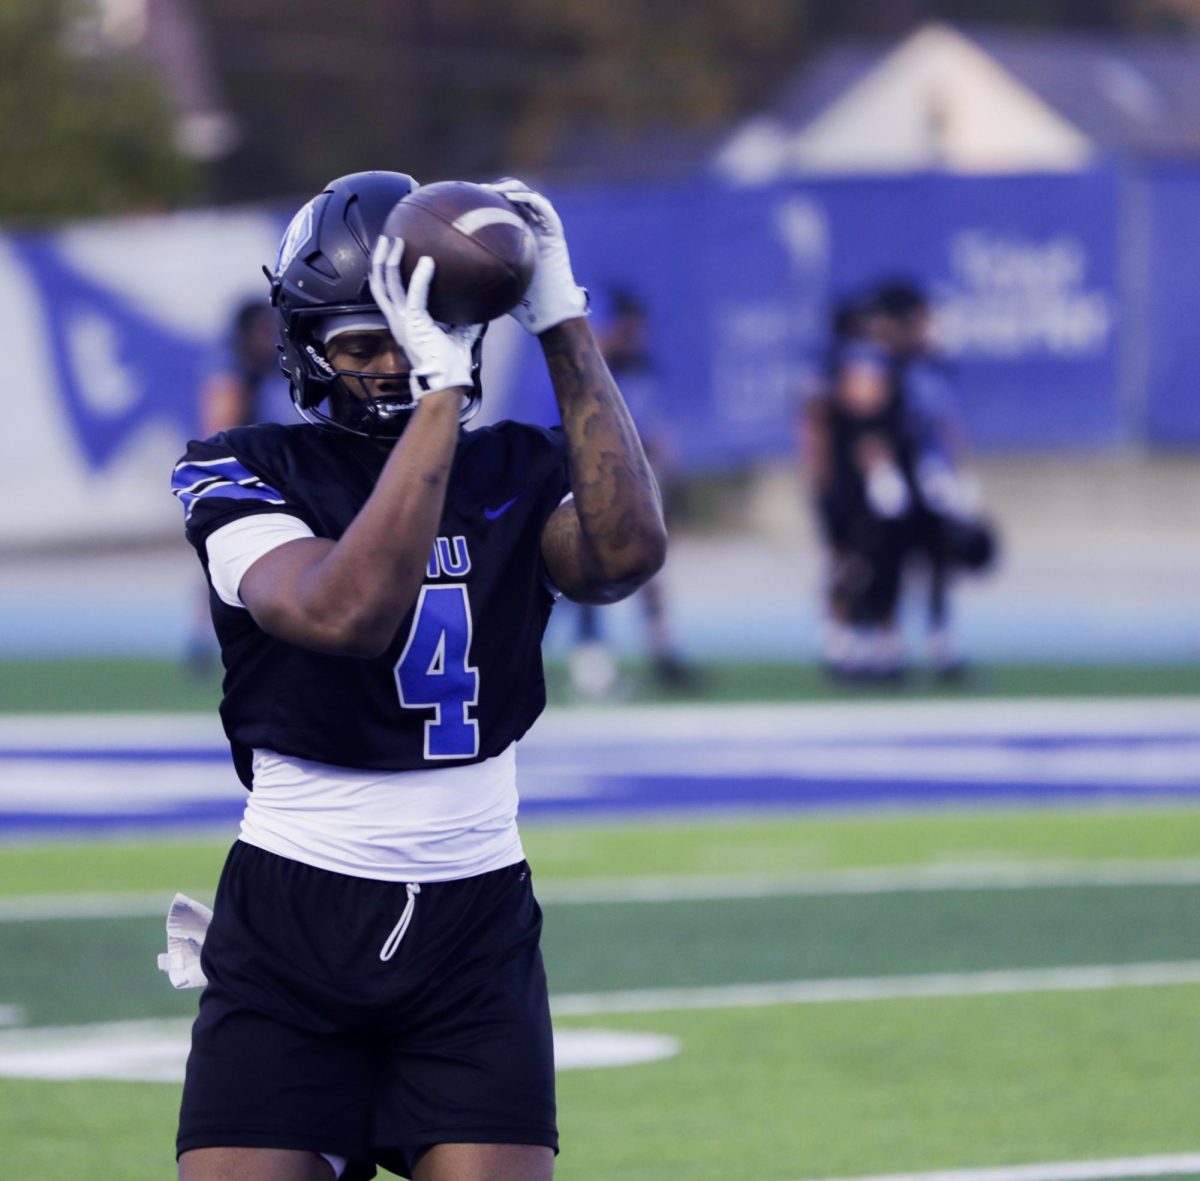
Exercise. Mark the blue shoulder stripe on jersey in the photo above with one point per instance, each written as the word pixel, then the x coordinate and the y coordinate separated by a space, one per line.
pixel 223 478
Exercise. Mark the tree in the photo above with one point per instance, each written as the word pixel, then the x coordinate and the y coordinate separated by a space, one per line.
pixel 87 131
pixel 1185 12
pixel 472 88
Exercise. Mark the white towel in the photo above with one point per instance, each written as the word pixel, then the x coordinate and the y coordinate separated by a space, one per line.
pixel 187 923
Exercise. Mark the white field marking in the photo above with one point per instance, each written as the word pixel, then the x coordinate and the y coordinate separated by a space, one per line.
pixel 101 787
pixel 708 887
pixel 156 1050
pixel 1182 1164
pixel 106 787
pixel 960 742
pixel 85 787
pixel 32 908
pixel 739 722
pixel 877 988
pixel 1116 763
pixel 12 1015
pixel 111 731
pixel 750 722
pixel 919 879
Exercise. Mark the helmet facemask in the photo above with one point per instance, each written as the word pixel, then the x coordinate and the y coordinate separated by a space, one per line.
pixel 342 398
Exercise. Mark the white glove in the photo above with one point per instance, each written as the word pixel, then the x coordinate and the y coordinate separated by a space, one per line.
pixel 887 493
pixel 553 296
pixel 187 924
pixel 946 491
pixel 440 357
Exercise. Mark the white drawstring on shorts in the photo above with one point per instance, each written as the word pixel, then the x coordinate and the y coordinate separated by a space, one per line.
pixel 393 940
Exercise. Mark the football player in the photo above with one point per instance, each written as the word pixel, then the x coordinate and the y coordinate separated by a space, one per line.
pixel 373 986
pixel 849 440
pixel 948 533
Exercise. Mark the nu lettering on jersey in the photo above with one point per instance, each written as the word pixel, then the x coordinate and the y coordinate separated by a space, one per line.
pixel 463 680
pixel 450 558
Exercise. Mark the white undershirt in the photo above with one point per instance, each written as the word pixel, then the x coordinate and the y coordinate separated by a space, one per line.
pixel 425 825
pixel 429 825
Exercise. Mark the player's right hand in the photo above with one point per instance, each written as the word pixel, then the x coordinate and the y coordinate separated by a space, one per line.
pixel 440 357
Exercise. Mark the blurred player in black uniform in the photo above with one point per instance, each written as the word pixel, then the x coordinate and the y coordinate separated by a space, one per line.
pixel 380 583
pixel 247 386
pixel 852 447
pixel 832 482
pixel 883 448
pixel 948 533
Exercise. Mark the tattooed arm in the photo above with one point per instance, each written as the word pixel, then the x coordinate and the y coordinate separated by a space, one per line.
pixel 610 538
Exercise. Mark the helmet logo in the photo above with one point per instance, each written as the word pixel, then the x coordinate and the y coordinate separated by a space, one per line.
pixel 319 361
pixel 295 237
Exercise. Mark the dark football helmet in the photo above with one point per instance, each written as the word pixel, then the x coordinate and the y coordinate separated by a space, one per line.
pixel 322 269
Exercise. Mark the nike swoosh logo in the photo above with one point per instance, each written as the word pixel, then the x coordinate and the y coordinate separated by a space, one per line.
pixel 493 513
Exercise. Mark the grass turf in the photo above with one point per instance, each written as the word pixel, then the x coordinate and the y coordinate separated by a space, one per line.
pixel 677 945
pixel 783 844
pixel 857 1089
pixel 30 686
pixel 777 1093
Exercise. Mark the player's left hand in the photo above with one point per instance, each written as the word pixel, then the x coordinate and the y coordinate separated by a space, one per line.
pixel 553 296
pixel 440 357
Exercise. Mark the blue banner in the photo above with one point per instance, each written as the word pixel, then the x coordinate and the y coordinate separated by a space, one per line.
pixel 1172 311
pixel 1023 273
pixel 116 368
pixel 1056 341
pixel 1025 278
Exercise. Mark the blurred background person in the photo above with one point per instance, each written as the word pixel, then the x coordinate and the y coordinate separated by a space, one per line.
pixel 830 482
pixel 881 444
pixel 245 385
pixel 946 532
pixel 625 342
pixel 854 449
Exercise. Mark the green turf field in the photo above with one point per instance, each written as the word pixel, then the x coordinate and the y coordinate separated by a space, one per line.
pixel 848 995
pixel 125 685
pixel 1005 1055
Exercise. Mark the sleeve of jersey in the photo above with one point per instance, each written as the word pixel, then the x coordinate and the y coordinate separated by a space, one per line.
pixel 556 489
pixel 558 478
pixel 214 487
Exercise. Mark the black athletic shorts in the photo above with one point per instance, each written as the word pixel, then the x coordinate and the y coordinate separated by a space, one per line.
pixel 308 1039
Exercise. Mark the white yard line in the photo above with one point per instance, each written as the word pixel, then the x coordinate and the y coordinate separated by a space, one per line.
pixel 710 887
pixel 32 908
pixel 1000 876
pixel 1182 1164
pixel 877 988
pixel 741 721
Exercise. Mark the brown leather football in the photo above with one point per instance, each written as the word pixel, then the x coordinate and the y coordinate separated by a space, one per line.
pixel 484 253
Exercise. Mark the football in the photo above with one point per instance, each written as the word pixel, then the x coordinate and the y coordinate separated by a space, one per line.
pixel 484 253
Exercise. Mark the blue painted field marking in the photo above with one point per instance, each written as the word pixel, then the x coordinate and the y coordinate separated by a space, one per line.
pixel 155 771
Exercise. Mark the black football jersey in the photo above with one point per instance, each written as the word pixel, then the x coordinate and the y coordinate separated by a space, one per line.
pixel 463 678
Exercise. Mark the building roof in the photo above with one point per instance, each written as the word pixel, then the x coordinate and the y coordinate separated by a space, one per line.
pixel 1068 96
pixel 1134 94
